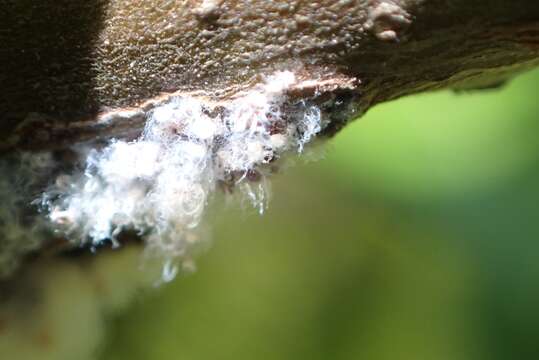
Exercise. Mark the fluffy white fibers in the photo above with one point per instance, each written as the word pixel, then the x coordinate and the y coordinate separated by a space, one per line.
pixel 160 184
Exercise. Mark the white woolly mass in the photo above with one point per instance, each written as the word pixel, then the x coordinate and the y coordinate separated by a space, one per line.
pixel 160 184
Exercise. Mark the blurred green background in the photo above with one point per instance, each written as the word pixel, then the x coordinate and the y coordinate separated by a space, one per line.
pixel 415 238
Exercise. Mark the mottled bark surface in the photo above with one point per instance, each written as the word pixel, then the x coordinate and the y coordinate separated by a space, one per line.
pixel 68 66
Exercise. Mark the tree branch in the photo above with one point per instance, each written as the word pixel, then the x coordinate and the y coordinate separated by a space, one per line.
pixel 83 70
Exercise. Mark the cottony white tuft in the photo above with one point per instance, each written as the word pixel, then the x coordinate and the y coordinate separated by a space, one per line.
pixel 160 184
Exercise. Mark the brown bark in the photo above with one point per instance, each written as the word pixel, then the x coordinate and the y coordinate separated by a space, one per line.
pixel 70 68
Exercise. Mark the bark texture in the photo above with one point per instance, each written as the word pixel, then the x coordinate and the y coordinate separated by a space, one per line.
pixel 84 70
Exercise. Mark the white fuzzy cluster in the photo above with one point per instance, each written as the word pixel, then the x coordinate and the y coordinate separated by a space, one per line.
pixel 160 184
